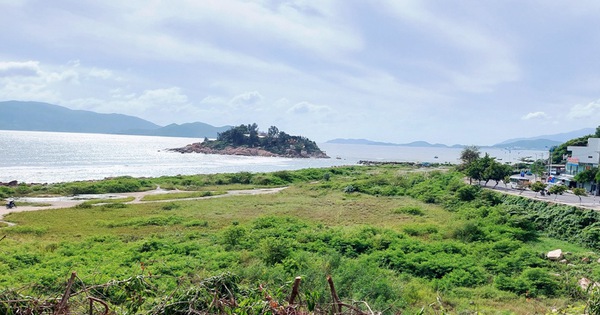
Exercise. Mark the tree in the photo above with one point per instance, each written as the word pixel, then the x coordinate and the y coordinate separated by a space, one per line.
pixel 273 132
pixel 477 168
pixel 506 180
pixel 557 190
pixel 537 187
pixel 538 168
pixel 587 176
pixel 253 139
pixel 497 171
pixel 469 155
pixel 579 192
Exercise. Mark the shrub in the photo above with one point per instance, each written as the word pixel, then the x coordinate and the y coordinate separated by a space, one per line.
pixel 199 223
pixel 274 250
pixel 533 282
pixel 171 206
pixel 469 232
pixel 467 193
pixel 234 236
pixel 349 189
pixel 463 278
pixel 412 210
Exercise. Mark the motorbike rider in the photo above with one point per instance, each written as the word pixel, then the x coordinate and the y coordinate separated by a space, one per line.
pixel 11 204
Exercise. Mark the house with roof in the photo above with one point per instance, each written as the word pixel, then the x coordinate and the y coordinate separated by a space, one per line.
pixel 583 158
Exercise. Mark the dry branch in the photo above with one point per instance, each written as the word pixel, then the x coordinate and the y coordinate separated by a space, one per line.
pixel 62 306
pixel 337 304
pixel 92 300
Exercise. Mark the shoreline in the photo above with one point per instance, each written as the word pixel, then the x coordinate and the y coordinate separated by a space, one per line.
pixel 198 147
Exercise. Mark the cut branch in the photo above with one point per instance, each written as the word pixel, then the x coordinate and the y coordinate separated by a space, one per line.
pixel 295 290
pixel 62 306
pixel 337 304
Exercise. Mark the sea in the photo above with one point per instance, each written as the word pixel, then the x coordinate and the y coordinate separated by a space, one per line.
pixel 54 157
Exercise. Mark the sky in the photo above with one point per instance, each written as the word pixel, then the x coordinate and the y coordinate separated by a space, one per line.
pixel 452 72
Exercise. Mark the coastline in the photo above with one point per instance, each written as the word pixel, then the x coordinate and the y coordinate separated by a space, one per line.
pixel 246 151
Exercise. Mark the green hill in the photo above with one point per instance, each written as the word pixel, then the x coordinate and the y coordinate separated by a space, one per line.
pixel 37 116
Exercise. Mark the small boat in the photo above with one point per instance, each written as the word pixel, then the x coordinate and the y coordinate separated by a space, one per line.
pixel 435 157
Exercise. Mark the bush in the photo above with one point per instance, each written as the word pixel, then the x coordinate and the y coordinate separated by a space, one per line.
pixel 469 232
pixel 274 250
pixel 463 278
pixel 171 206
pixel 533 282
pixel 467 193
pixel 412 210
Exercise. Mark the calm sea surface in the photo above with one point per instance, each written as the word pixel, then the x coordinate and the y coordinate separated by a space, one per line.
pixel 50 157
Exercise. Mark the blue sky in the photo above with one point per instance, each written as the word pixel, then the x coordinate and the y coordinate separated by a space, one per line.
pixel 468 72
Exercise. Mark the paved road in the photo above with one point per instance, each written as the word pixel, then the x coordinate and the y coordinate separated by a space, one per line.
pixel 67 202
pixel 589 202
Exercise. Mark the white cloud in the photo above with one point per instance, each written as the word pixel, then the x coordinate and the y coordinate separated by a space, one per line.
pixel 486 59
pixel 100 73
pixel 246 100
pixel 15 68
pixel 535 115
pixel 303 108
pixel 584 111
pixel 213 100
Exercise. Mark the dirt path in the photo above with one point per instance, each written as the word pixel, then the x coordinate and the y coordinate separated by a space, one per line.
pixel 68 202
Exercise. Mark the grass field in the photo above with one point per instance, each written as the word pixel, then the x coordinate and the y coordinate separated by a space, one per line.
pixel 401 241
pixel 181 195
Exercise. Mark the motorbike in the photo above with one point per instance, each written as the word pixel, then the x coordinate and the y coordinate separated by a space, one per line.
pixel 11 204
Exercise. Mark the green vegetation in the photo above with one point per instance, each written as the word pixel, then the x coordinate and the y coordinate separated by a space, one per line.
pixel 210 182
pixel 181 195
pixel 403 241
pixel 107 201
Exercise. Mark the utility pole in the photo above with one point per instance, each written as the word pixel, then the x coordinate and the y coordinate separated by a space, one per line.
pixel 598 170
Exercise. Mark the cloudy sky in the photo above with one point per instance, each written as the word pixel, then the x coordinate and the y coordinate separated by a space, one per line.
pixel 469 72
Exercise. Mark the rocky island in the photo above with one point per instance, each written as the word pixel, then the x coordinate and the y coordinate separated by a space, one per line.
pixel 248 140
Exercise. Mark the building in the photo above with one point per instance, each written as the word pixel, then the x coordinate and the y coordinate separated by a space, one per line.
pixel 583 158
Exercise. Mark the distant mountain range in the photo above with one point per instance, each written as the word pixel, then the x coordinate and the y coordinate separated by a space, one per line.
pixel 36 116
pixel 559 137
pixel 534 143
pixel 411 144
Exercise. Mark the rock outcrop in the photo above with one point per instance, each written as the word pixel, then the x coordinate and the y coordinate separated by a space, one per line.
pixel 556 254
pixel 246 151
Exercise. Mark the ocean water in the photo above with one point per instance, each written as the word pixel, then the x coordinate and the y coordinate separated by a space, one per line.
pixel 51 157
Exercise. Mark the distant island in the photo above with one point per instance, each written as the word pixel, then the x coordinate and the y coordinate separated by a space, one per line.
pixel 542 143
pixel 249 141
pixel 412 144
pixel 38 116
